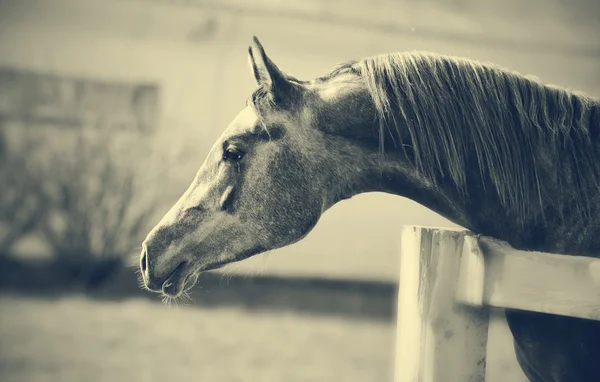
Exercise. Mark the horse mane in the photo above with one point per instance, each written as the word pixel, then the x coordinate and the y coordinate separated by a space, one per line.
pixel 440 110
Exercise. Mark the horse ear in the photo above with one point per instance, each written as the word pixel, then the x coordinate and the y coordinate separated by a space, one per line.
pixel 266 73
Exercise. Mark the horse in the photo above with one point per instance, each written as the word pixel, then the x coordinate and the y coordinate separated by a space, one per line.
pixel 495 152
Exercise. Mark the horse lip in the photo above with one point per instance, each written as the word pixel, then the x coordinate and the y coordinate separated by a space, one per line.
pixel 179 279
pixel 190 280
pixel 175 278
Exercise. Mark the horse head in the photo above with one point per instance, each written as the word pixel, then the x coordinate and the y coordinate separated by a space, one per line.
pixel 268 178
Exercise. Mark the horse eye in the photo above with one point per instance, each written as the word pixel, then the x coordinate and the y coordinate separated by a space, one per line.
pixel 233 154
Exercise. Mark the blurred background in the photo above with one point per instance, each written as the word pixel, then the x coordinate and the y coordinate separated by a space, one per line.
pixel 108 108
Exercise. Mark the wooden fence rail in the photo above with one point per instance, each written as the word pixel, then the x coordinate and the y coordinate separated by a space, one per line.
pixel 448 281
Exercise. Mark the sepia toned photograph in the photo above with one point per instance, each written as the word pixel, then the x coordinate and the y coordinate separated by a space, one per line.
pixel 300 191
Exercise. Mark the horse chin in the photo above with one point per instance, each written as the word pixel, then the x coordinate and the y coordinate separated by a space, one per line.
pixel 186 275
pixel 183 278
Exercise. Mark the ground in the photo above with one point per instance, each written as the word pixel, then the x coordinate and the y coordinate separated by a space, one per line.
pixel 73 338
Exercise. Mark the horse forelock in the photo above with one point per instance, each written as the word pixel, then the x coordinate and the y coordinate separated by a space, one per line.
pixel 454 113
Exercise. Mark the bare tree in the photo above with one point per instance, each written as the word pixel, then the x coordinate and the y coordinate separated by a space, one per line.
pixel 97 216
pixel 22 204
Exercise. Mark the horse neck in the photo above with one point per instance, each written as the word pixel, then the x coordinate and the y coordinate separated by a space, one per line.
pixel 363 168
pixel 398 178
pixel 500 181
pixel 479 208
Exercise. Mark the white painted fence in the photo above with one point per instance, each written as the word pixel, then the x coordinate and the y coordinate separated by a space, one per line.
pixel 449 279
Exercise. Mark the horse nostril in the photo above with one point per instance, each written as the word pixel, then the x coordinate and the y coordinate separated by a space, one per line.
pixel 144 261
pixel 152 282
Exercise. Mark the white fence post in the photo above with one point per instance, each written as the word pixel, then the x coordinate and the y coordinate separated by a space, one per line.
pixel 449 278
pixel 437 338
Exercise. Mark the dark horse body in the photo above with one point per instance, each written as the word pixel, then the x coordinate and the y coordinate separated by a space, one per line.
pixel 495 152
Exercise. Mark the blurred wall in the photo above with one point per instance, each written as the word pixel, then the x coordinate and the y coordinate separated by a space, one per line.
pixel 196 53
